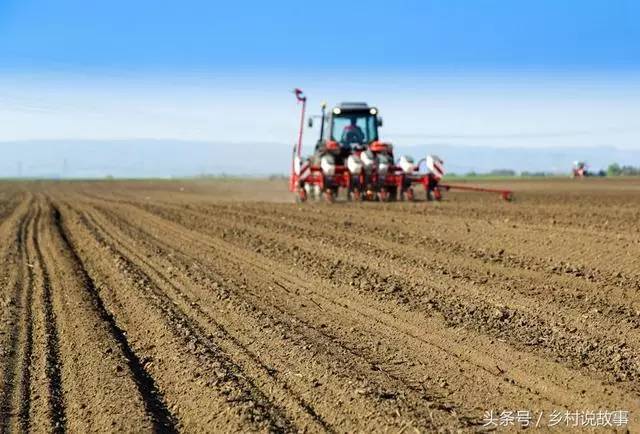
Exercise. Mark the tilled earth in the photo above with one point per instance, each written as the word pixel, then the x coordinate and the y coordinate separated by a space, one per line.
pixel 221 306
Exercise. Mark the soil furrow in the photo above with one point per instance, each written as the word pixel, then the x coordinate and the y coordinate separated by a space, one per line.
pixel 162 419
pixel 256 306
pixel 17 317
pixel 407 236
pixel 156 274
pixel 216 306
pixel 165 230
pixel 91 389
pixel 516 322
pixel 27 368
pixel 227 376
pixel 54 362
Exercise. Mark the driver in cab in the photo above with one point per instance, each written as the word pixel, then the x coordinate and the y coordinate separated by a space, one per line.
pixel 352 133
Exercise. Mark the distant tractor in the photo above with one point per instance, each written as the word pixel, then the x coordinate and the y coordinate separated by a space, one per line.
pixel 580 169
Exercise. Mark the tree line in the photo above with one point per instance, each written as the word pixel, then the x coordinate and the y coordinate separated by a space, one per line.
pixel 613 169
pixel 617 170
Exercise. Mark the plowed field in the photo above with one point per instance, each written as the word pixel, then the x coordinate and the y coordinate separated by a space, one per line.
pixel 222 306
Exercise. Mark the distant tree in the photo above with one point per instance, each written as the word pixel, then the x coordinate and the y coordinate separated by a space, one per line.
pixel 472 173
pixel 630 171
pixel 614 169
pixel 529 174
pixel 503 172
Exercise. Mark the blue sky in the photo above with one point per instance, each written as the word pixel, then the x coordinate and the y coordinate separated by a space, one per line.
pixel 476 72
pixel 372 34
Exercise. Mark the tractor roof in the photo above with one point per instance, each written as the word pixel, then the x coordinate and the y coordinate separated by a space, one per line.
pixel 353 106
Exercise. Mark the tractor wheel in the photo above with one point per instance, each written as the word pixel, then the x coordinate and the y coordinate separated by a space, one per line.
pixel 301 196
pixel 437 194
pixel 393 194
pixel 429 195
pixel 329 197
pixel 407 195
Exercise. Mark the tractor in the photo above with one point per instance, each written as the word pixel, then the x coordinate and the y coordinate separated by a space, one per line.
pixel 350 156
pixel 580 169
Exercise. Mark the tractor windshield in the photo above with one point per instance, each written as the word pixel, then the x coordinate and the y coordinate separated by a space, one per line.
pixel 354 129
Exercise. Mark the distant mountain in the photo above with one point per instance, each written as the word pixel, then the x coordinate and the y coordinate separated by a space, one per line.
pixel 174 158
pixel 140 158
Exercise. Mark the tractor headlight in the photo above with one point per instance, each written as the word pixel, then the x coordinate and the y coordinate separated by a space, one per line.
pixel 337 111
pixel 373 111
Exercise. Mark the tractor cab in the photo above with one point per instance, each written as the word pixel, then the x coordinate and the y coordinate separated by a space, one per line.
pixel 350 125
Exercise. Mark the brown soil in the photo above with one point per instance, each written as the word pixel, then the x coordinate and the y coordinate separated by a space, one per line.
pixel 221 306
